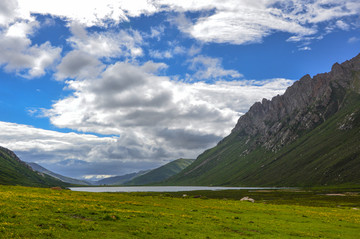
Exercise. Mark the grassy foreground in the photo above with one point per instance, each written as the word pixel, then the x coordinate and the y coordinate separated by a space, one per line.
pixel 46 213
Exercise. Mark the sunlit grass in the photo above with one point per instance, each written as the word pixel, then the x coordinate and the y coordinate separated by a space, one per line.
pixel 45 213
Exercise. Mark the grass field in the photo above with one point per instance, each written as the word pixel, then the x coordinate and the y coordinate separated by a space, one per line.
pixel 45 213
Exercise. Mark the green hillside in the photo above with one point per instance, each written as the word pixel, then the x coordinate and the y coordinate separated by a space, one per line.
pixel 15 172
pixel 324 156
pixel 310 136
pixel 162 173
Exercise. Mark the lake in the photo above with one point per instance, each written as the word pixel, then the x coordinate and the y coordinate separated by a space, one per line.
pixel 162 188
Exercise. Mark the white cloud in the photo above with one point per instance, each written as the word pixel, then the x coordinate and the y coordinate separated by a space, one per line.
pixel 89 13
pixel 19 55
pixel 159 118
pixel 353 39
pixel 78 64
pixel 160 54
pixel 9 12
pixel 156 32
pixel 305 48
pixel 228 21
pixel 342 25
pixel 244 21
pixel 106 44
pixel 93 50
pixel 210 68
pixel 173 51
pixel 50 146
pixel 97 177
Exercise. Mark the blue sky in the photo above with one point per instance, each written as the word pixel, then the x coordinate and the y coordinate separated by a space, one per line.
pixel 92 89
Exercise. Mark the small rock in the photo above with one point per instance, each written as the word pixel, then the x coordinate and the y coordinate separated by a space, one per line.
pixel 247 199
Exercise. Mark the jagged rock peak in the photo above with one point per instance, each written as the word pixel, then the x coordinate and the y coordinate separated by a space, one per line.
pixel 304 105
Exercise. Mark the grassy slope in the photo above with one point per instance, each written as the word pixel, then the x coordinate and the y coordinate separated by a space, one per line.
pixel 13 172
pixel 45 213
pixel 326 155
pixel 162 173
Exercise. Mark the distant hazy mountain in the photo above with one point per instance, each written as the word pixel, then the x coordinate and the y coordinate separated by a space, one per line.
pixel 308 136
pixel 13 171
pixel 162 173
pixel 41 169
pixel 119 180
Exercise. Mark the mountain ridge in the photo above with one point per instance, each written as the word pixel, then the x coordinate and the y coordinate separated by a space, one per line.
pixel 65 179
pixel 13 171
pixel 161 173
pixel 282 141
pixel 269 117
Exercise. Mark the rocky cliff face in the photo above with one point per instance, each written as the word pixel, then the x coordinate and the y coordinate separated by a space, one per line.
pixel 304 105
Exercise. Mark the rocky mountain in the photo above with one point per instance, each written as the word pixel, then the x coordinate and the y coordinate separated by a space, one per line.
pixel 310 135
pixel 43 170
pixel 13 171
pixel 162 173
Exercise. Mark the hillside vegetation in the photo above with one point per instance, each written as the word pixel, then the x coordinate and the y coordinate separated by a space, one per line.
pixel 13 171
pixel 162 173
pixel 308 136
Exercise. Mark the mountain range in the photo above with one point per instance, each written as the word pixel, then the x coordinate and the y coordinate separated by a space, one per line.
pixel 65 179
pixel 308 136
pixel 13 171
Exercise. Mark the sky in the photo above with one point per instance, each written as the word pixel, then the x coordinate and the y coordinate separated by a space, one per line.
pixel 92 89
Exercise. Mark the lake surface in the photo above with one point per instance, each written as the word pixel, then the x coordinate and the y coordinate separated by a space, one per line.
pixel 162 188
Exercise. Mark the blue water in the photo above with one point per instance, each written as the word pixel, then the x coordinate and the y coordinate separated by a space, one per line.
pixel 161 188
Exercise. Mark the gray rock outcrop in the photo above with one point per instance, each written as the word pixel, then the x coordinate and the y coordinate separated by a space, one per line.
pixel 305 105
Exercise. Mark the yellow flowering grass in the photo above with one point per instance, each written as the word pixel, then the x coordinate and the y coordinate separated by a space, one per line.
pixel 45 213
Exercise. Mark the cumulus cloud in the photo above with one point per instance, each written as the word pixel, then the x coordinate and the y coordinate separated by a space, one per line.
pixel 78 64
pixel 128 95
pixel 18 54
pixel 124 43
pixel 210 68
pixel 342 25
pixel 157 118
pixel 27 61
pixel 91 51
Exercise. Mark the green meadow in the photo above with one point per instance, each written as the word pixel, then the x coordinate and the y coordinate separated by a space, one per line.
pixel 27 212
